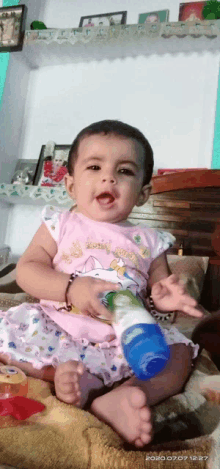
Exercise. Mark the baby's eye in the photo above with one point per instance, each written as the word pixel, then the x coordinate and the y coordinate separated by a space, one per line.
pixel 128 172
pixel 94 166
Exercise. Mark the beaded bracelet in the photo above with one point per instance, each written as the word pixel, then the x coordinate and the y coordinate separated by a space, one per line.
pixel 159 316
pixel 72 277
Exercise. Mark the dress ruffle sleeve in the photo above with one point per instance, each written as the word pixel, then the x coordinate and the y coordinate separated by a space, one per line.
pixel 51 217
pixel 164 241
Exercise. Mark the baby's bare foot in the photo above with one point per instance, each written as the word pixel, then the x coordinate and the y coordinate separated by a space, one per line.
pixel 125 410
pixel 66 381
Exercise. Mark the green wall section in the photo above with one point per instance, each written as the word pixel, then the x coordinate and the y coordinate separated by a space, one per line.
pixel 4 56
pixel 216 142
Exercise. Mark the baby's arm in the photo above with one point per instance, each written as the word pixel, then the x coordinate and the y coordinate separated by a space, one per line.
pixel 159 269
pixel 35 273
pixel 167 290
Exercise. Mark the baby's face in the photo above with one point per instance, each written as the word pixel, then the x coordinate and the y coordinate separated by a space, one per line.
pixel 58 161
pixel 112 165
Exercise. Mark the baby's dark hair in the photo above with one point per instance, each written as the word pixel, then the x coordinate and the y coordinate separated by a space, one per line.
pixel 114 127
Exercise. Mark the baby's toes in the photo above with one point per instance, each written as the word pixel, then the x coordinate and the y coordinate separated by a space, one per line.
pixel 144 439
pixel 73 388
pixel 77 389
pixel 80 368
pixel 145 415
pixel 68 392
pixel 146 427
pixel 139 443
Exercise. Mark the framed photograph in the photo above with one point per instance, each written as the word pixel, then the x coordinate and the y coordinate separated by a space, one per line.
pixel 52 165
pixel 106 19
pixel 154 17
pixel 12 28
pixel 191 11
pixel 24 172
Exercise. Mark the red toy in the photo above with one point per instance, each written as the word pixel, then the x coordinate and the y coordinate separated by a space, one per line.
pixel 13 392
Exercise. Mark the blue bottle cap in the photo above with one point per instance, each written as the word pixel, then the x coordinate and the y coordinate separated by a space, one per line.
pixel 145 350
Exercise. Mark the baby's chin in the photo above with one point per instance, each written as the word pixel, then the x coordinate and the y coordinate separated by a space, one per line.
pixel 106 217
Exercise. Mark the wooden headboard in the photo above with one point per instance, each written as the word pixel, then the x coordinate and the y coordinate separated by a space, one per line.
pixel 187 204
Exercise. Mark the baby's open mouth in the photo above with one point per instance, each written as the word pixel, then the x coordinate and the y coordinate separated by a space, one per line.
pixel 105 198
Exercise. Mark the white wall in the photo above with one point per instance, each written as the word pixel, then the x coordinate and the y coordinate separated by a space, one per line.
pixel 68 16
pixel 169 98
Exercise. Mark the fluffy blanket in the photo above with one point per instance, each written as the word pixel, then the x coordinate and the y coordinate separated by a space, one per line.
pixel 63 436
pixel 186 426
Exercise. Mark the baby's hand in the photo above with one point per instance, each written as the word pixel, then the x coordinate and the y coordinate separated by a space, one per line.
pixel 84 292
pixel 169 294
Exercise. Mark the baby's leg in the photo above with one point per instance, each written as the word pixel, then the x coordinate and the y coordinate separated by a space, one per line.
pixel 79 387
pixel 46 373
pixel 126 408
pixel 169 381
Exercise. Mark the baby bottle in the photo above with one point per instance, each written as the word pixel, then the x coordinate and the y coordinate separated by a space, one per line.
pixel 142 340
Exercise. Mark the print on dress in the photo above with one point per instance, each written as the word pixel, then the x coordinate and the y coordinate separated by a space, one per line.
pixel 116 273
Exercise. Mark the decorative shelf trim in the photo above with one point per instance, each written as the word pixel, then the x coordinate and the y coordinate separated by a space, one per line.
pixel 119 33
pixel 51 47
pixel 19 193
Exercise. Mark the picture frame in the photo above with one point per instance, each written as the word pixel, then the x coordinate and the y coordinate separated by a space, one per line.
pixel 191 11
pixel 24 172
pixel 12 28
pixel 154 17
pixel 52 165
pixel 105 19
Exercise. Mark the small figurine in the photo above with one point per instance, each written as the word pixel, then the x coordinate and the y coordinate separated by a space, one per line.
pixel 13 392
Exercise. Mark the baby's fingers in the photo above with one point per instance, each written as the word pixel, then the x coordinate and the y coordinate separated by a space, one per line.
pixel 158 291
pixel 101 310
pixel 103 286
pixel 188 300
pixel 192 311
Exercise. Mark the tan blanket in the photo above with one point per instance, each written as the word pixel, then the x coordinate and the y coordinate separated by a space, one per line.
pixel 186 428
pixel 65 437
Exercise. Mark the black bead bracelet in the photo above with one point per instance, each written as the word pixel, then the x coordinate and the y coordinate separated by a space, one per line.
pixel 158 315
pixel 72 277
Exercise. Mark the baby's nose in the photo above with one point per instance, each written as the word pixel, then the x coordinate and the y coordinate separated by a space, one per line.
pixel 111 179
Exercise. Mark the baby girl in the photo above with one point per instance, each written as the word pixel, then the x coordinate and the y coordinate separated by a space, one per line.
pixel 74 258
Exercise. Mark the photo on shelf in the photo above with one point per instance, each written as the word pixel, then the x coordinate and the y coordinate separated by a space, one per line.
pixel 106 19
pixel 154 17
pixel 191 11
pixel 24 172
pixel 52 165
pixel 12 28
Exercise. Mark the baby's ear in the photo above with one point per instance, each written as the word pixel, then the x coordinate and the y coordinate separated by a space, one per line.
pixel 144 195
pixel 69 184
